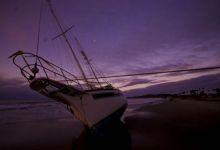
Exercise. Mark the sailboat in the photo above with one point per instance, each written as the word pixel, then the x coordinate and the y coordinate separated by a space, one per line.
pixel 90 99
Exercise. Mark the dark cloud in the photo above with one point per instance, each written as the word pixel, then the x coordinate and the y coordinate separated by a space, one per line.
pixel 202 48
pixel 170 31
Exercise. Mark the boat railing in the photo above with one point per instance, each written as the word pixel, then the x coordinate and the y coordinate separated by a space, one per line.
pixel 33 66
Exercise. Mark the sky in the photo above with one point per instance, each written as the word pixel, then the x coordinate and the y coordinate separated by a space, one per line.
pixel 120 37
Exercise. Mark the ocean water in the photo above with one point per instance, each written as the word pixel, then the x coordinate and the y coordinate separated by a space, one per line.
pixel 14 111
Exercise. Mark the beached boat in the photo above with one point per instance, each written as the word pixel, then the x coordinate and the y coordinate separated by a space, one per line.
pixel 91 99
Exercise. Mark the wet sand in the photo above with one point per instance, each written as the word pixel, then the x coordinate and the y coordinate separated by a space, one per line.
pixel 176 124
pixel 42 135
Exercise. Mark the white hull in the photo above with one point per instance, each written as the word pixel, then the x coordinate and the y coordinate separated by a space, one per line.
pixel 90 107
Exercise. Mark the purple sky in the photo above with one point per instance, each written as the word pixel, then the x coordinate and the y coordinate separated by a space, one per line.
pixel 121 36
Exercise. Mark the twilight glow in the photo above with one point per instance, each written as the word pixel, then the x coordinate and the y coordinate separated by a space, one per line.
pixel 120 37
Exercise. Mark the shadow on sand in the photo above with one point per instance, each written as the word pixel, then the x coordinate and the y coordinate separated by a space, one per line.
pixel 114 135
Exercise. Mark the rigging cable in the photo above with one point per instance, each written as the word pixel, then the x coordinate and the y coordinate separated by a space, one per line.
pixel 39 29
pixel 35 70
pixel 63 33
pixel 161 72
pixel 86 58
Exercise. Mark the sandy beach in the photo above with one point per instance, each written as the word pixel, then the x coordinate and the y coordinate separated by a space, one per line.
pixel 176 124
pixel 51 134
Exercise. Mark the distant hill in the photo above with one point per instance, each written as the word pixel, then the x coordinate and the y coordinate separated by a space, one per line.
pixel 206 82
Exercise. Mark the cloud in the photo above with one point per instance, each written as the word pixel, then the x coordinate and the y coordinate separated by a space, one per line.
pixel 136 81
pixel 131 36
pixel 207 82
pixel 160 78
pixel 165 32
pixel 160 67
pixel 6 82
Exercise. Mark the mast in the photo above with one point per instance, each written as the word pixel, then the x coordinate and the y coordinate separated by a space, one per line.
pixel 63 33
pixel 86 59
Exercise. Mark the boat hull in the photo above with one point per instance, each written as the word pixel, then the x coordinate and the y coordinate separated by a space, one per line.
pixel 90 107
